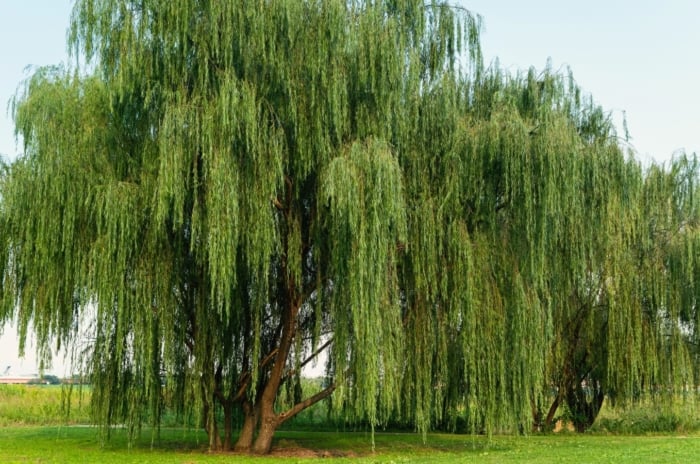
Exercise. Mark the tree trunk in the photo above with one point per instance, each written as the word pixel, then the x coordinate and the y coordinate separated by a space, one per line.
pixel 268 419
pixel 250 422
pixel 212 428
pixel 584 403
pixel 537 416
pixel 228 425
pixel 263 443
pixel 549 420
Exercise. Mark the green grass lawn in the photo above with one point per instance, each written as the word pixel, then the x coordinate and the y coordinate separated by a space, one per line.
pixel 30 432
pixel 80 445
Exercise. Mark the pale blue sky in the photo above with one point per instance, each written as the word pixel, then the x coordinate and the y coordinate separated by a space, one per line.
pixel 641 57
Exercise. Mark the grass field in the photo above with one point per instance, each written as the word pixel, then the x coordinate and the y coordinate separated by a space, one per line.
pixel 80 445
pixel 42 405
pixel 34 429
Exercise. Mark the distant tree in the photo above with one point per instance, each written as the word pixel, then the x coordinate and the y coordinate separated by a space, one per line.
pixel 45 380
pixel 628 327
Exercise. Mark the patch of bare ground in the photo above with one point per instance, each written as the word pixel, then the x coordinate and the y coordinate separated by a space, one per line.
pixel 298 452
pixel 294 452
pixel 290 449
pixel 563 425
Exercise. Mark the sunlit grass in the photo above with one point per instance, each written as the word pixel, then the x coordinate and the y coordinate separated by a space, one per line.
pixel 43 405
pixel 80 444
pixel 23 407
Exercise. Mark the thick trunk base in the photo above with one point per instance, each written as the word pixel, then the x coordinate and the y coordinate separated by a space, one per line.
pixel 584 403
pixel 228 426
pixel 263 443
pixel 245 438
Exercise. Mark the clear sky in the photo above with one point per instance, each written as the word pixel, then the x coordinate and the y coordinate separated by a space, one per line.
pixel 637 57
pixel 32 33
pixel 641 57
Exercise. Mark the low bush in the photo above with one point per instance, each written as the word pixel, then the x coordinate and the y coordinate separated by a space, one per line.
pixel 649 417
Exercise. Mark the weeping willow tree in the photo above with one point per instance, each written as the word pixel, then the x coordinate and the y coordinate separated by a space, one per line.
pixel 666 289
pixel 540 186
pixel 226 194
pixel 568 273
pixel 623 316
pixel 230 189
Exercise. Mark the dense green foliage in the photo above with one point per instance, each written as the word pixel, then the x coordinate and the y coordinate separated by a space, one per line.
pixel 231 188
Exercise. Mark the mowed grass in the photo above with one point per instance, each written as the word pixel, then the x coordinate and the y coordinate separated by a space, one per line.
pixel 80 445
pixel 35 429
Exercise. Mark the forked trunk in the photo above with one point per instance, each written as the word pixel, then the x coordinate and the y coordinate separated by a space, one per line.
pixel 268 419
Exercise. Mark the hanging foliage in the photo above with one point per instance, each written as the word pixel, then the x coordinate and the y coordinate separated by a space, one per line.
pixel 231 189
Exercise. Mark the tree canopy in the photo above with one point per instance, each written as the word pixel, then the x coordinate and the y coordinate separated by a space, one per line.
pixel 229 189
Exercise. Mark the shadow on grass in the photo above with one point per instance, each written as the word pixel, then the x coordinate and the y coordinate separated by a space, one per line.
pixel 319 444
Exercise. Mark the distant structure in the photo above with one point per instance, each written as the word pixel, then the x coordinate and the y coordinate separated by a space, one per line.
pixel 16 380
pixel 34 379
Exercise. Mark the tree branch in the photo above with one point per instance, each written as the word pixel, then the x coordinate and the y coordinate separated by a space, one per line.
pixel 245 378
pixel 277 204
pixel 309 359
pixel 316 353
pixel 297 408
